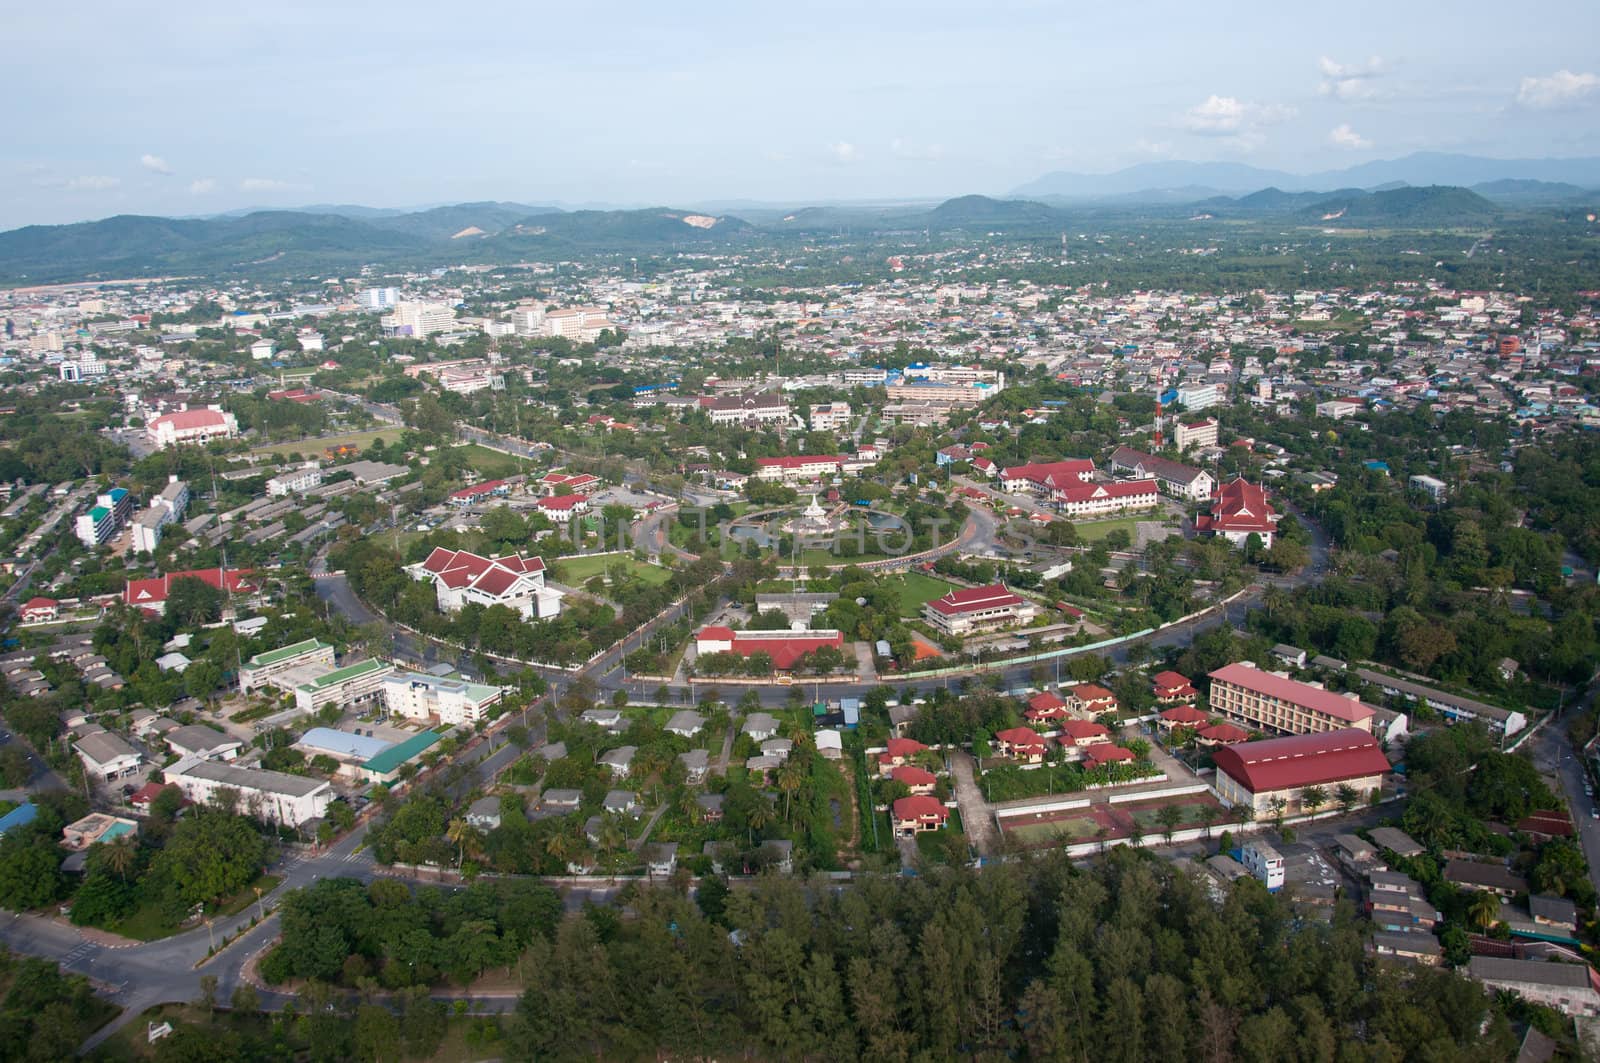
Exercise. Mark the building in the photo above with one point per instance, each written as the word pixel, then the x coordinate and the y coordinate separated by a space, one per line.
pixel 1173 477
pixel 40 610
pixel 453 702
pixel 746 409
pixel 106 756
pixel 1092 699
pixel 1570 988
pixel 1098 500
pixel 918 813
pixel 1197 397
pixel 1278 703
pixel 295 481
pixel 1239 510
pixel 166 508
pixel 94 828
pixel 803 467
pixel 418 320
pixel 385 767
pixel 1257 773
pixel 1263 861
pixel 271 796
pixel 1045 478
pixel 564 509
pixel 1411 948
pixel 1170 687
pixel 1453 707
pixel 1396 841
pixel 1432 486
pixel 971 609
pixel 377 298
pixel 264 668
pixel 350 749
pixel 191 426
pixel 1022 744
pixel 514 581
pixel 1195 434
pixel 786 648
pixel 105 518
pixel 354 684
pixel 830 416
pixel 197 740
pixel 1476 875
pixel 1395 902
pixel 1339 409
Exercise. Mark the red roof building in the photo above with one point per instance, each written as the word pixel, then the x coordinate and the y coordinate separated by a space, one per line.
pixel 564 507
pixel 1079 733
pixel 1021 743
pixel 1278 703
pixel 800 467
pixel 1239 510
pixel 1221 734
pixel 1093 698
pixel 151 594
pixel 784 647
pixel 1044 707
pixel 1254 773
pixel 1171 686
pixel 917 780
pixel 552 483
pixel 1094 500
pixel 900 751
pixel 970 609
pixel 918 813
pixel 481 492
pixel 1046 477
pixel 1097 755
pixel 1184 716
pixel 517 582
pixel 40 610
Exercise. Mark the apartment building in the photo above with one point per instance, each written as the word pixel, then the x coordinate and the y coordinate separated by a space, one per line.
pixel 1195 434
pixel 266 669
pixel 105 518
pixel 354 684
pixel 802 467
pixel 830 416
pixel 1275 702
pixel 272 796
pixel 452 701
pixel 166 508
pixel 294 482
pixel 1197 397
pixel 419 319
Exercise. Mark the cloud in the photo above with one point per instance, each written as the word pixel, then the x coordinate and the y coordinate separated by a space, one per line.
pixel 92 183
pixel 155 164
pixel 1350 81
pixel 1228 116
pixel 1152 147
pixel 1342 136
pixel 1561 89
pixel 905 149
pixel 844 151
pixel 201 186
pixel 263 184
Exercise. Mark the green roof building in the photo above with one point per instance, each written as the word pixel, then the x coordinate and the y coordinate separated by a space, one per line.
pixel 385 767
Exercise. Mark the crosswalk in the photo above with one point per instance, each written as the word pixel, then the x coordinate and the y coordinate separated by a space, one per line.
pixel 82 950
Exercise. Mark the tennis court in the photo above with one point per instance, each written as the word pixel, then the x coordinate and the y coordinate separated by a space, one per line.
pixel 1065 826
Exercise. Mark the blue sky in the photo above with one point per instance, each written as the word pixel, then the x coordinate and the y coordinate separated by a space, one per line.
pixel 190 108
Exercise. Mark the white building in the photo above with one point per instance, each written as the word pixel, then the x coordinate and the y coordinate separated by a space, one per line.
pixel 272 796
pixel 1432 486
pixel 166 508
pixel 261 350
pixel 419 319
pixel 105 518
pixel 830 416
pixel 1195 434
pixel 452 701
pixel 378 298
pixel 265 669
pixel 107 756
pixel 353 684
pixel 192 426
pixel 295 481
pixel 1196 397
pixel 1339 409
pixel 460 576
pixel 1264 862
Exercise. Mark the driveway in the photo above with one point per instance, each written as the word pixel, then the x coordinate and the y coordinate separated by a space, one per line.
pixel 977 819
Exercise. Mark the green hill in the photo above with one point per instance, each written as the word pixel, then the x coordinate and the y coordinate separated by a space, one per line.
pixel 1428 206
pixel 966 212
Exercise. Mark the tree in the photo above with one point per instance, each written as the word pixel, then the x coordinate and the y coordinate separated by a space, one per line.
pixel 463 836
pixel 29 873
pixel 14 767
pixel 1484 911
pixel 245 998
pixel 1313 798
pixel 1279 805
pixel 1169 816
pixel 790 778
pixel 377 1034
pixel 1346 796
pixel 192 601
pixel 209 855
pixel 208 992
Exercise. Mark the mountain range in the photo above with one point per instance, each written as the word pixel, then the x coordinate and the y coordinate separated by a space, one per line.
pixel 1197 180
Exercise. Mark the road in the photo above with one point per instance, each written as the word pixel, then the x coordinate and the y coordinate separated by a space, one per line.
pixel 1555 756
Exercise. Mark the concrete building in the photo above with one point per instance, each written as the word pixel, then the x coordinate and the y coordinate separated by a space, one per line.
pixel 106 756
pixel 1276 702
pixel 262 669
pixel 972 609
pixel 1263 861
pixel 1571 988
pixel 1194 434
pixel 785 648
pixel 1452 707
pixel 294 482
pixel 451 701
pixel 1197 397
pixel 1175 478
pixel 271 796
pixel 354 684
pixel 166 508
pixel 460 576
pixel 830 416
pixel 191 426
pixel 746 409
pixel 1257 773
pixel 105 518
pixel 1239 510
pixel 418 320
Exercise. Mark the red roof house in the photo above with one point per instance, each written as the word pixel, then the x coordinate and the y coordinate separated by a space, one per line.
pixel 1093 698
pixel 1022 743
pixel 1222 734
pixel 1096 755
pixel 918 813
pixel 1184 716
pixel 917 780
pixel 39 610
pixel 1083 733
pixel 1170 686
pixel 151 594
pixel 1044 707
pixel 1238 511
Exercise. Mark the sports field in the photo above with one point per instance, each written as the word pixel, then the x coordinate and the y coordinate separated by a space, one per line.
pixel 575 570
pixel 1067 826
pixel 916 590
pixel 359 440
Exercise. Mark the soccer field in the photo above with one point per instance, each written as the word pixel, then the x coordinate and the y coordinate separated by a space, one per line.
pixel 1046 832
pixel 916 590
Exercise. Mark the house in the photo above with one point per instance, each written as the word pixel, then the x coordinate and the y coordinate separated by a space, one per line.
pixel 517 582
pixel 204 742
pixel 695 764
pixel 970 609
pixel 1557 913
pixel 1238 511
pixel 1099 754
pixel 560 800
pixel 609 719
pixel 1077 734
pixel 1572 989
pixel 1264 862
pixel 760 726
pixel 1278 703
pixel 777 854
pixel 1172 687
pixel 685 723
pixel 830 744
pixel 916 814
pixel 1021 743
pixel 40 610
pixel 619 760
pixel 484 813
pixel 917 780
pixel 620 803
pixel 1479 876
pixel 1411 948
pixel 1257 773
pixel 661 858
pixel 1093 699
pixel 710 806
pixel 107 756
pixel 564 508
pixel 1180 716
pixel 1045 708
pixel 1395 902
pixel 900 751
pixel 151 594
pixel 1396 841
pixel 777 747
pixel 1292 656
pixel 1355 853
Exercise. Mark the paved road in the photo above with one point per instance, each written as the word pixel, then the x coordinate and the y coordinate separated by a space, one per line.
pixel 1553 753
pixel 977 821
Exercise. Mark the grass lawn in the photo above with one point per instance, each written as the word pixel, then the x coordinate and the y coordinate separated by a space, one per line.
pixel 145 923
pixel 917 589
pixel 360 440
pixel 490 464
pixel 1094 531
pixel 576 570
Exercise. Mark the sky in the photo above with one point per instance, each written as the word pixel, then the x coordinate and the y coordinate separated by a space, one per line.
pixel 184 108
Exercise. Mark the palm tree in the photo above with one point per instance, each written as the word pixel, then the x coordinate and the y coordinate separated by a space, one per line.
pixel 1313 798
pixel 790 778
pixel 462 834
pixel 561 845
pixel 120 856
pixel 1135 832
pixel 1484 910
pixel 612 839
pixel 759 818
pixel 1101 833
